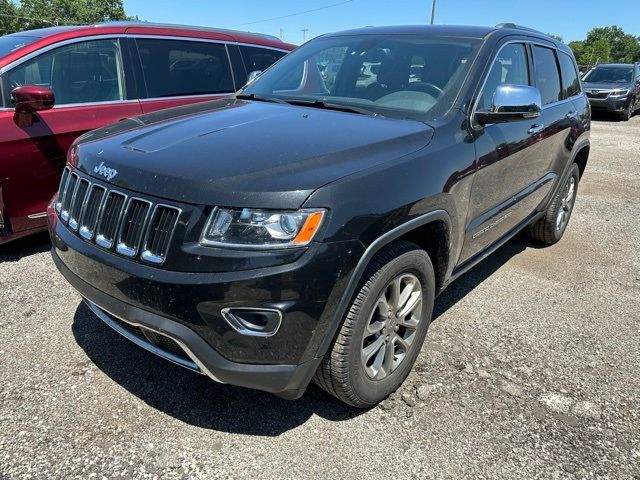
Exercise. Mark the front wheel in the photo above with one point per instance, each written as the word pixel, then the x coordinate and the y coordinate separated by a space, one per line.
pixel 384 329
pixel 626 115
pixel 550 228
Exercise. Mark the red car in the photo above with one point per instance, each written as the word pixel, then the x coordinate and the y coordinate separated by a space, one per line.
pixel 57 83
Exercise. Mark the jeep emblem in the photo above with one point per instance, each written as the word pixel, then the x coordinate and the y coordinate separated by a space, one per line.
pixel 105 171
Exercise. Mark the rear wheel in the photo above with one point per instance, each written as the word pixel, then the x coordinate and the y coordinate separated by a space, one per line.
pixel 550 228
pixel 384 329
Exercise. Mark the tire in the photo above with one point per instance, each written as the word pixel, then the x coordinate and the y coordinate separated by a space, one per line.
pixel 343 373
pixel 628 113
pixel 549 229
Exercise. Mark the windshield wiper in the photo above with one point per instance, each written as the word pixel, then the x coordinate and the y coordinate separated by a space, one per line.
pixel 332 106
pixel 259 98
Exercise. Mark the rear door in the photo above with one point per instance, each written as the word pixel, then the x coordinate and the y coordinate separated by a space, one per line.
pixel 510 158
pixel 182 71
pixel 559 113
pixel 89 83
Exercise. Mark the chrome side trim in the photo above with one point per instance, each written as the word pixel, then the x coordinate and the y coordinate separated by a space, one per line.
pixel 102 315
pixel 34 216
pixel 195 365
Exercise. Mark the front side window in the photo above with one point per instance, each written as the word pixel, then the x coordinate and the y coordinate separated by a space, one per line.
pixel 570 82
pixel 83 72
pixel 509 68
pixel 547 75
pixel 179 67
pixel 400 76
pixel 256 58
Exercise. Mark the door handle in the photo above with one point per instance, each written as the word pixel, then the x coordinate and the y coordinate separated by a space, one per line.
pixel 537 128
pixel 571 114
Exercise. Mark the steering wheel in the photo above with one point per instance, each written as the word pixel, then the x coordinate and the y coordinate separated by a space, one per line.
pixel 425 87
pixel 13 84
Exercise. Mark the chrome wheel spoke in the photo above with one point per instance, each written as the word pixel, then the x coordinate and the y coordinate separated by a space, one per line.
pixel 392 326
pixel 373 348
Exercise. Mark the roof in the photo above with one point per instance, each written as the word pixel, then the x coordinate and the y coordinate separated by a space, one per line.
pixel 616 64
pixel 444 30
pixel 49 31
pixel 51 35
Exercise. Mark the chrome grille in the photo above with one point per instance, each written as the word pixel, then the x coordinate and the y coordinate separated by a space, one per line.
pixel 113 220
pixel 159 235
pixel 598 94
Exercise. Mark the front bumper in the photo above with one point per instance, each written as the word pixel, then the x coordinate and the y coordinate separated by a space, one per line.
pixel 185 307
pixel 611 104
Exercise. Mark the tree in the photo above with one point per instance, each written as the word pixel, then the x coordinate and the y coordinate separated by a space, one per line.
pixel 557 37
pixel 32 14
pixel 8 20
pixel 624 47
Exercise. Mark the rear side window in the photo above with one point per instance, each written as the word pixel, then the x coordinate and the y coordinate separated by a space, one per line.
pixel 256 58
pixel 547 75
pixel 510 67
pixel 570 82
pixel 179 68
pixel 83 72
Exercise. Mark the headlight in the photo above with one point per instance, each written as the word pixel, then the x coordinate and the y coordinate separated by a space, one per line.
pixel 619 93
pixel 254 228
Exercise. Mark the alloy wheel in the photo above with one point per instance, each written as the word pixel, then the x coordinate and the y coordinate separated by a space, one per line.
pixel 392 325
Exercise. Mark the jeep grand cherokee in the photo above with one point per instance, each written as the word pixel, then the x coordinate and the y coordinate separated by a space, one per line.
pixel 300 231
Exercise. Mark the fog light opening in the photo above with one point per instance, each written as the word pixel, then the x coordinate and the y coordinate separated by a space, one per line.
pixel 257 322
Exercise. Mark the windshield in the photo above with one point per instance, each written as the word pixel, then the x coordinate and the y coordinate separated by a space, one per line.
pixel 9 43
pixel 398 76
pixel 609 74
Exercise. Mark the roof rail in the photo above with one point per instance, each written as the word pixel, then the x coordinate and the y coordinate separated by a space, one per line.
pixel 141 23
pixel 518 27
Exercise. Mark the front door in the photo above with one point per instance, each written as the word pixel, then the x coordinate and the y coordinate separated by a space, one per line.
pixel 507 156
pixel 87 78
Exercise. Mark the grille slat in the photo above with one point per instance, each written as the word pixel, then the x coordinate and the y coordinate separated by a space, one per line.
pixel 133 225
pixel 70 190
pixel 110 218
pixel 91 211
pixel 62 189
pixel 77 202
pixel 161 226
pixel 111 215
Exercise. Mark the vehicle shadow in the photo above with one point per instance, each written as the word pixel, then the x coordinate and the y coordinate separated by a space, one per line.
pixel 199 401
pixel 23 247
pixel 194 398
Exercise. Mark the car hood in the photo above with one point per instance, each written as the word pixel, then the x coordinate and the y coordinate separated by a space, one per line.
pixel 243 153
pixel 605 86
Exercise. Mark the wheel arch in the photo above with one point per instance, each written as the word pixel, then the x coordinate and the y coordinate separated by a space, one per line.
pixel 430 231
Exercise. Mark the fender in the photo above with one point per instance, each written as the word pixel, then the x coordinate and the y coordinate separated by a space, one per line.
pixel 544 205
pixel 372 249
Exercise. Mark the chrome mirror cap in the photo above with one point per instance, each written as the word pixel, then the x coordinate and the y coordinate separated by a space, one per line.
pixel 511 103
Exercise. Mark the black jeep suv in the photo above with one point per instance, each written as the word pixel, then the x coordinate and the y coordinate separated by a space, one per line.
pixel 296 231
pixel 614 87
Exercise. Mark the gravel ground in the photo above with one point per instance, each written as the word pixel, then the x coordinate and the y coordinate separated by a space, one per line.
pixel 530 370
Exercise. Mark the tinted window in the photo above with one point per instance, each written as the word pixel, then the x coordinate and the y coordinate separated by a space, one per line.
pixel 84 72
pixel 510 67
pixel 547 77
pixel 177 67
pixel 399 76
pixel 609 75
pixel 256 58
pixel 570 82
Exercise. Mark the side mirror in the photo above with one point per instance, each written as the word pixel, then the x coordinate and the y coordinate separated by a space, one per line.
pixel 512 103
pixel 29 99
pixel 253 75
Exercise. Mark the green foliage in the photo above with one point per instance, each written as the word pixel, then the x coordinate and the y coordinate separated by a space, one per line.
pixel 30 14
pixel 607 44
